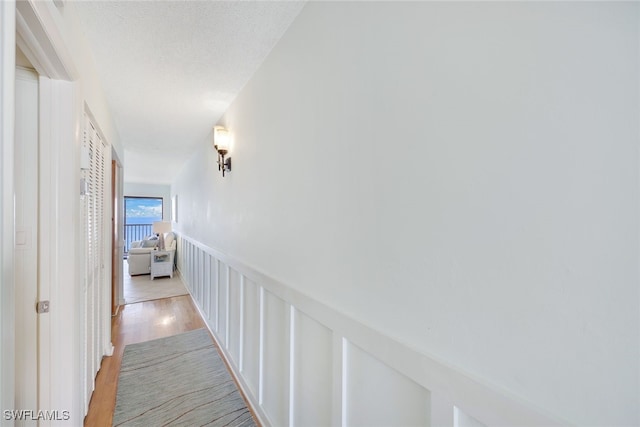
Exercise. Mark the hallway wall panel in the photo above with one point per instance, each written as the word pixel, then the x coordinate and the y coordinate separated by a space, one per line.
pixel 275 353
pixel 251 335
pixel 300 363
pixel 223 304
pixel 234 316
pixel 312 371
pixel 400 402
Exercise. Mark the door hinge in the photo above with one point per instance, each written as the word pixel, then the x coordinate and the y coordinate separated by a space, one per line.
pixel 42 307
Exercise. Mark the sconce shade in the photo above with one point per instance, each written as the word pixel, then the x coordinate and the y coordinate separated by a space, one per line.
pixel 221 142
pixel 221 139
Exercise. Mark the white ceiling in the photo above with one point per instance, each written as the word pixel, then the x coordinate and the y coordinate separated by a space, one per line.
pixel 170 69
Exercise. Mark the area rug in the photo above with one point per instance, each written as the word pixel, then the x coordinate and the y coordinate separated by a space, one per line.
pixel 142 288
pixel 178 381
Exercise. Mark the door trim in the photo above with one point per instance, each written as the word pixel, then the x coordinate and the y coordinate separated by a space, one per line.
pixel 7 220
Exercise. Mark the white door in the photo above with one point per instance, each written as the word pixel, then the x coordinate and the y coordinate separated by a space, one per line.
pixel 95 308
pixel 26 243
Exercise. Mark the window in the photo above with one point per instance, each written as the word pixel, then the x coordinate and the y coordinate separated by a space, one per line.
pixel 139 215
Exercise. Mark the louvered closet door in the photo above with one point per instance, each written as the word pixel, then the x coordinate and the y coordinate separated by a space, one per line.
pixel 94 278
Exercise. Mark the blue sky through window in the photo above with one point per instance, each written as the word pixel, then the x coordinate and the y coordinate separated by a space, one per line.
pixel 140 210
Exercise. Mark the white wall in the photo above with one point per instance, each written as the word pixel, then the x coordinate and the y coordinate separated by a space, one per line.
pixel 88 78
pixel 461 177
pixel 151 190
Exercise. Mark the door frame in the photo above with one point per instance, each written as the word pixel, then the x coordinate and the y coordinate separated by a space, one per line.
pixel 35 27
pixel 117 231
pixel 7 220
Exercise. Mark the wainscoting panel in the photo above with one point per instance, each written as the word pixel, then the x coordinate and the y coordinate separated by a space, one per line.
pixel 215 293
pixel 194 271
pixel 206 286
pixel 377 395
pixel 201 270
pixel 461 419
pixel 311 369
pixel 235 317
pixel 196 274
pixel 301 363
pixel 189 265
pixel 274 396
pixel 250 346
pixel 223 303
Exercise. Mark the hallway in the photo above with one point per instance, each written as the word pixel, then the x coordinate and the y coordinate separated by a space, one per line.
pixel 137 323
pixel 433 215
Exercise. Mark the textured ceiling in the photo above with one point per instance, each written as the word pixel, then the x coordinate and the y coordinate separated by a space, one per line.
pixel 170 69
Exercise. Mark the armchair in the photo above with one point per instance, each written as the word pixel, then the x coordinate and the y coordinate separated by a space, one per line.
pixel 140 253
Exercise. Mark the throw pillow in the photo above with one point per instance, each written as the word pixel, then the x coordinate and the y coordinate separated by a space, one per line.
pixel 149 243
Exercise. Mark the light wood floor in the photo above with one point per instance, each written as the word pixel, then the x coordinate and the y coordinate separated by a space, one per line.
pixel 138 322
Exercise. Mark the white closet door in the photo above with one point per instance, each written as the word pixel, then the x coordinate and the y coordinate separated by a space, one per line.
pixel 94 232
pixel 26 242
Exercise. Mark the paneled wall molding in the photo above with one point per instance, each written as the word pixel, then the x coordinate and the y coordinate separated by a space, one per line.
pixel 300 362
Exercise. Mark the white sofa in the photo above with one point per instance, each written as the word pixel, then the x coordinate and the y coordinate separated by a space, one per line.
pixel 140 253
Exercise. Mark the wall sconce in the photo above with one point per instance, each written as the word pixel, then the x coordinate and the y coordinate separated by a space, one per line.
pixel 221 140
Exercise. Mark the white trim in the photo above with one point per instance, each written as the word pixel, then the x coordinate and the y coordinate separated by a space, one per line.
pixel 109 350
pixel 7 111
pixel 38 25
pixel 242 327
pixel 343 386
pixel 25 40
pixel 339 376
pixel 261 349
pixel 447 385
pixel 291 312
